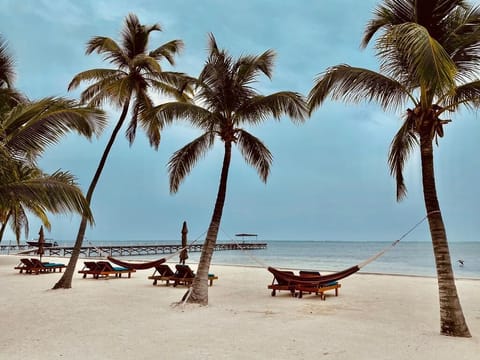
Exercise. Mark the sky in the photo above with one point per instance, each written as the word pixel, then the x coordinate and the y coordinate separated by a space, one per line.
pixel 329 180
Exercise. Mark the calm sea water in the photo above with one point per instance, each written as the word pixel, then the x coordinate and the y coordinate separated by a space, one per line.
pixel 407 258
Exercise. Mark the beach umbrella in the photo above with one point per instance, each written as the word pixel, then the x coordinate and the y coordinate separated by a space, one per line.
pixel 41 243
pixel 184 252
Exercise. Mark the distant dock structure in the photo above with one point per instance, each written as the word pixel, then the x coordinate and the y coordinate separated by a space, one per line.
pixel 129 250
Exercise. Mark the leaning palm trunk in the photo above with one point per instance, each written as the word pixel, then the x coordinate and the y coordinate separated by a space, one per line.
pixel 4 225
pixel 65 281
pixel 199 291
pixel 452 321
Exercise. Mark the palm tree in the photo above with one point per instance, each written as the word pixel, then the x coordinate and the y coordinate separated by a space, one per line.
pixel 138 71
pixel 27 128
pixel 430 57
pixel 224 88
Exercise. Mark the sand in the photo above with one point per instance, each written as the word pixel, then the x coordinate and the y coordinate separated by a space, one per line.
pixel 374 317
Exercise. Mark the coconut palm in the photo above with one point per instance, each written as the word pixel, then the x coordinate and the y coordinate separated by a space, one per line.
pixel 138 71
pixel 228 103
pixel 27 128
pixel 429 51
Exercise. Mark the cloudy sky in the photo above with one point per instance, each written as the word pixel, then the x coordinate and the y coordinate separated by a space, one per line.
pixel 329 180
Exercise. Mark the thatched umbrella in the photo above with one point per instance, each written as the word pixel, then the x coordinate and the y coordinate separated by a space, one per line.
pixel 41 243
pixel 184 252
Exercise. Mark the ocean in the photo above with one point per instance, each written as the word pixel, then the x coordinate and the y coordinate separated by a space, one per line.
pixel 406 258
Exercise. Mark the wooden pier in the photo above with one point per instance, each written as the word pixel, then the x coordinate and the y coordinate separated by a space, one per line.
pixel 129 250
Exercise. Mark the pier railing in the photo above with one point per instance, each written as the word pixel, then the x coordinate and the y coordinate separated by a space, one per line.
pixel 128 250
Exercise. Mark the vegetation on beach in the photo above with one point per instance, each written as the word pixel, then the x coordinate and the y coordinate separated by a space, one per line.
pixel 27 128
pixel 429 58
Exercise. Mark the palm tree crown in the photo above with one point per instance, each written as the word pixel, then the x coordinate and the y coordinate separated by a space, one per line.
pixel 137 71
pixel 228 103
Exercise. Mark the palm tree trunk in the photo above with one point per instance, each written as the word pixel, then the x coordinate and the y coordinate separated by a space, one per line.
pixel 199 291
pixel 452 320
pixel 65 281
pixel 4 226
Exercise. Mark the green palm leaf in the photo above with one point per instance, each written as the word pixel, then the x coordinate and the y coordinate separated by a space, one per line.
pixel 184 159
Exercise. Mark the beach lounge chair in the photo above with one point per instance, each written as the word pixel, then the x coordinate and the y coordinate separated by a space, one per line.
pixel 162 272
pixel 47 266
pixel 279 284
pixel 90 268
pixel 185 276
pixel 106 269
pixel 317 289
pixel 27 266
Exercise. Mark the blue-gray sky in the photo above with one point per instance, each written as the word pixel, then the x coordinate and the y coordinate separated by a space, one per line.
pixel 329 180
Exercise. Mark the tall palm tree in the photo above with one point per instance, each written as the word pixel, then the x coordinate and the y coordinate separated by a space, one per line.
pixel 429 51
pixel 228 102
pixel 138 71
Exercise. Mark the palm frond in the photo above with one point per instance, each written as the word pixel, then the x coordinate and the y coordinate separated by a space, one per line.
pixel 110 50
pixel 255 153
pixel 466 94
pixel 426 60
pixel 143 62
pixel 31 127
pixel 167 113
pixel 247 67
pixel 259 108
pixel 99 75
pixel 400 149
pixel 184 159
pixel 167 51
pixel 135 36
pixel 343 82
pixel 7 66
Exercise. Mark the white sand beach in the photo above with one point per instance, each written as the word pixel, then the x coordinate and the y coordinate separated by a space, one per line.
pixel 374 317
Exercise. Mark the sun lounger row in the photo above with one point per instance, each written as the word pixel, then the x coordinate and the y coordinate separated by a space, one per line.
pixel 103 269
pixel 35 266
pixel 183 275
pixel 305 285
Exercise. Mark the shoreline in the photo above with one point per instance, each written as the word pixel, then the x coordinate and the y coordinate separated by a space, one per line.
pixel 375 316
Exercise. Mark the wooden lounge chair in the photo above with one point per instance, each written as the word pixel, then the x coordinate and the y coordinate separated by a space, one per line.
pixel 315 288
pixel 47 266
pixel 27 266
pixel 279 284
pixel 90 268
pixel 185 276
pixel 162 272
pixel 106 269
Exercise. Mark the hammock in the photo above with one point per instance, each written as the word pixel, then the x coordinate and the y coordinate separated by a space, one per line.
pixel 137 266
pixel 290 280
